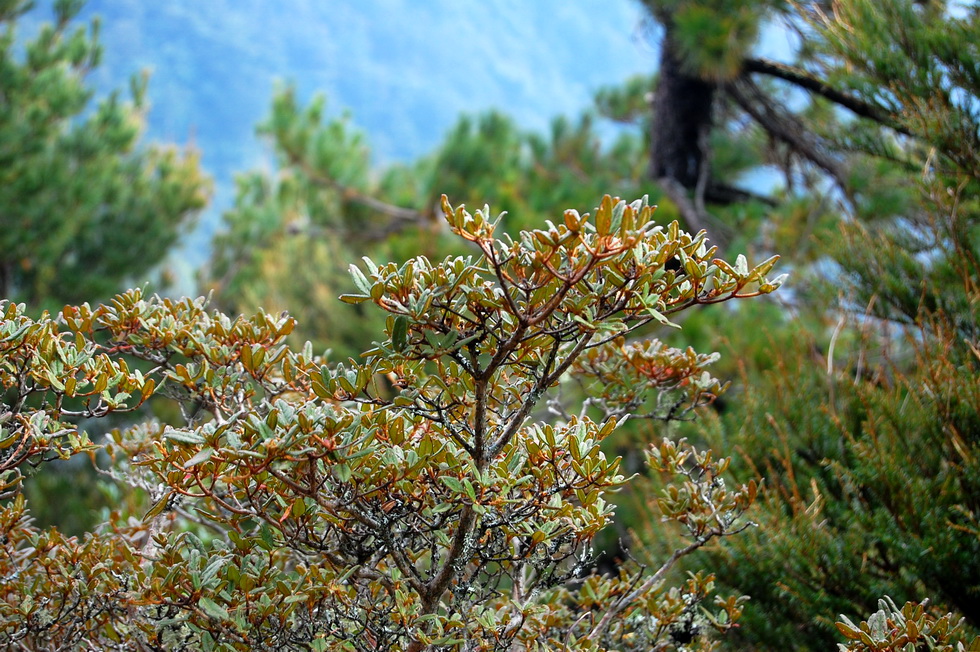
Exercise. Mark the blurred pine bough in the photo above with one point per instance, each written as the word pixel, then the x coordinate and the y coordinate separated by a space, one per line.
pixel 85 207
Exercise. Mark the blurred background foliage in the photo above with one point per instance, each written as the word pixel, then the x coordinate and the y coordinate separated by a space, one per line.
pixel 856 395
pixel 84 209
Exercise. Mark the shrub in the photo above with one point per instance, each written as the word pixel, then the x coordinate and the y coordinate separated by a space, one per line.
pixel 416 499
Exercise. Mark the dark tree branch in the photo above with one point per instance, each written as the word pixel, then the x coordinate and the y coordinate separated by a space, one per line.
pixel 724 194
pixel 803 80
pixel 6 280
pixel 698 219
pixel 783 126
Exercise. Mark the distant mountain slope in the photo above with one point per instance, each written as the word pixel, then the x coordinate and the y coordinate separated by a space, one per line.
pixel 405 69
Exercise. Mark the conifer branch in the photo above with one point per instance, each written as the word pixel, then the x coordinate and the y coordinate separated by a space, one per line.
pixel 784 126
pixel 399 217
pixel 802 79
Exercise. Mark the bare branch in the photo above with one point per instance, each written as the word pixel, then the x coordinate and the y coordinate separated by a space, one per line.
pixel 675 192
pixel 650 582
pixel 694 216
pixel 783 126
pixel 722 193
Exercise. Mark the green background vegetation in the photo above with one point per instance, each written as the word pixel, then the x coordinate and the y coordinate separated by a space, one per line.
pixel 855 397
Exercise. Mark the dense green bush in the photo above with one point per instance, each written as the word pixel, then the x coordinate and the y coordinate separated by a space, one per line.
pixel 410 501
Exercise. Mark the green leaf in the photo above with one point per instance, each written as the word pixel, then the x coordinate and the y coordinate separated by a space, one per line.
pixel 742 265
pixel 765 267
pixel 299 507
pixel 184 436
pixel 659 317
pixel 616 223
pixel 399 333
pixel 453 483
pixel 158 507
pixel 353 299
pixel 213 609
pixel 319 645
pixel 343 472
pixel 201 457
pixel 360 280
pixel 603 216
pixel 246 358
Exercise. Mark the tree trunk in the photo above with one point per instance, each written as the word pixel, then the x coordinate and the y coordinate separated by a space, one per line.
pixel 681 120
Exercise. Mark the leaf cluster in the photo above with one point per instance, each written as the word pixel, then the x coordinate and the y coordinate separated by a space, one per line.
pixel 409 500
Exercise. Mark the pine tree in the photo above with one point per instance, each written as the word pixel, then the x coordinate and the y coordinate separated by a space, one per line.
pixel 710 82
pixel 82 206
pixel 865 430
